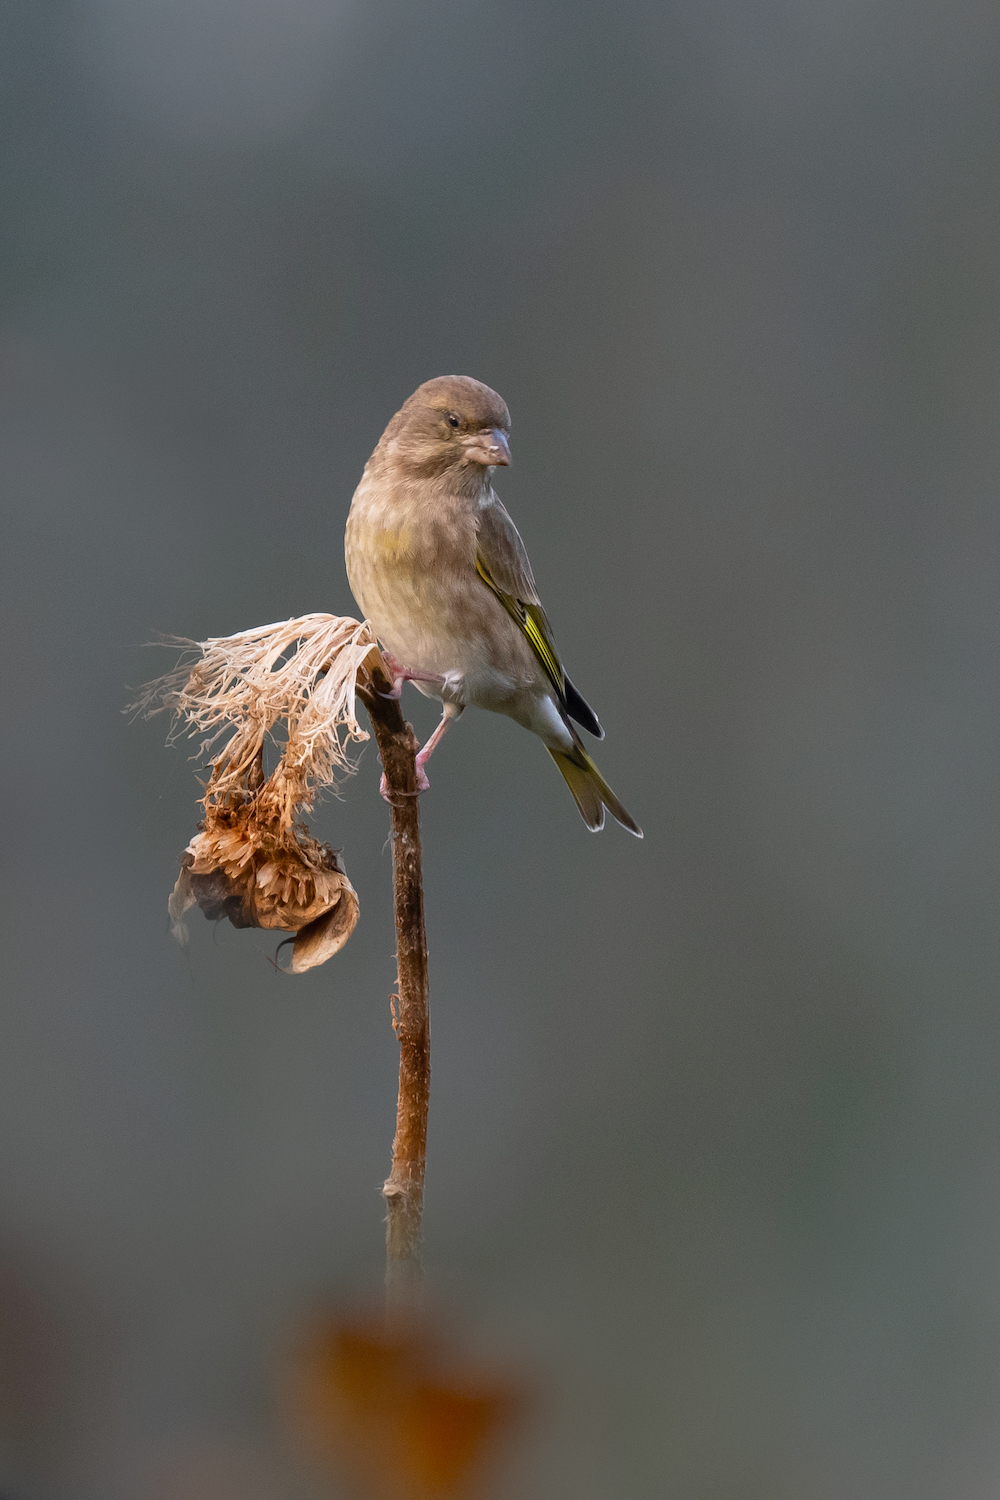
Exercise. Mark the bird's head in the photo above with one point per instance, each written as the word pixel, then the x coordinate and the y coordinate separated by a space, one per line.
pixel 450 424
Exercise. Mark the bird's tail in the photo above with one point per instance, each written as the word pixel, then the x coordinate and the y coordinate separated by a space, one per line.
pixel 591 792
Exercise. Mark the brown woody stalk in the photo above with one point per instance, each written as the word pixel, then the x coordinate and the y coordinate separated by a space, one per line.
pixel 404 1187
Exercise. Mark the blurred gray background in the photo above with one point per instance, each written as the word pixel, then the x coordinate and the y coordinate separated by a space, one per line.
pixel 715 1140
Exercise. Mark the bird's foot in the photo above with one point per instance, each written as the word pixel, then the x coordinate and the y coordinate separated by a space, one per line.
pixel 423 785
pixel 401 674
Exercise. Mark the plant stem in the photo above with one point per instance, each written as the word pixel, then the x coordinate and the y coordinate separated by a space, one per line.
pixel 404 1187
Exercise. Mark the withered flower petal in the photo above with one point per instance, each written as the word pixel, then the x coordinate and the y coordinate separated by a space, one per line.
pixel 182 898
pixel 321 939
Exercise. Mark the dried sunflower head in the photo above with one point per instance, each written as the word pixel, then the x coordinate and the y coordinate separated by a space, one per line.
pixel 260 875
pixel 252 860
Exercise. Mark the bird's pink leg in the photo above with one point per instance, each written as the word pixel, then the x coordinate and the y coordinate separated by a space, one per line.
pixel 401 674
pixel 451 712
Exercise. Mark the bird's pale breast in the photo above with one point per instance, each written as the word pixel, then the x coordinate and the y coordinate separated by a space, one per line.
pixel 411 562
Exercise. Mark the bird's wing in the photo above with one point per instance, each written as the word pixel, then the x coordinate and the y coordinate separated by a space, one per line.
pixel 503 564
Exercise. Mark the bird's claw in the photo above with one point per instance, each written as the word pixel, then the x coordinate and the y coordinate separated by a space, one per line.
pixel 423 785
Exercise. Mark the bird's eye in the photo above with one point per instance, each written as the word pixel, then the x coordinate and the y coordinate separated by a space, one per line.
pixel 453 420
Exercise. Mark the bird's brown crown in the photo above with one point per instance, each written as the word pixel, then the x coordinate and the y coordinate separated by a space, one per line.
pixel 476 405
pixel 436 429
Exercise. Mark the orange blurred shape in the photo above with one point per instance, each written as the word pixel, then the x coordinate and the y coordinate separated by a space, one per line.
pixel 398 1412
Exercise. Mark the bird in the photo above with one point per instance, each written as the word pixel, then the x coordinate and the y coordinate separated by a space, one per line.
pixel 440 572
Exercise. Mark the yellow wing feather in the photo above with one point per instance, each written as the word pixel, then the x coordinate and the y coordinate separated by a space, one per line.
pixel 532 621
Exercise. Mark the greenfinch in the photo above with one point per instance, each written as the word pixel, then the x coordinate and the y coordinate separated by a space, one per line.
pixel 438 569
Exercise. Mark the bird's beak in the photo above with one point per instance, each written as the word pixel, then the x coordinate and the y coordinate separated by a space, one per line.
pixel 489 448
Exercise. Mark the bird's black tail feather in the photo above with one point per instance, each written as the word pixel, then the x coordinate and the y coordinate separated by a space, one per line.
pixel 579 709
